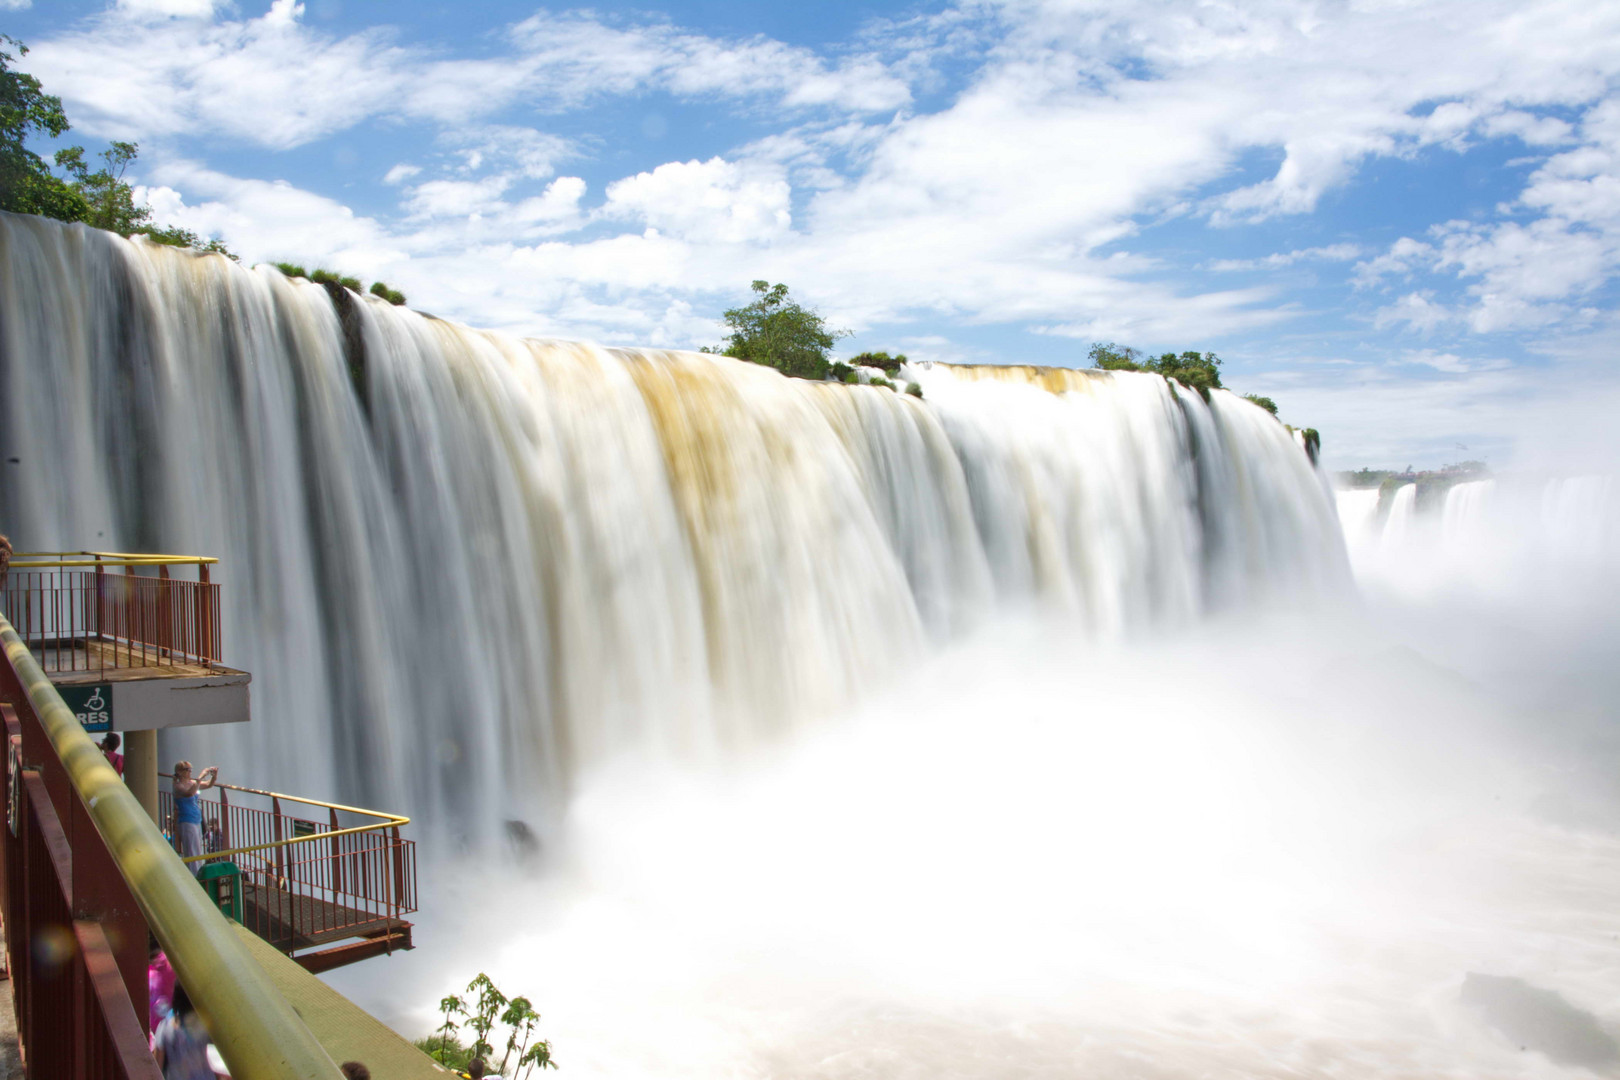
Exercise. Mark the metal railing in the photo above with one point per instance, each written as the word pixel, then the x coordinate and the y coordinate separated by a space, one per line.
pixel 86 874
pixel 338 873
pixel 76 616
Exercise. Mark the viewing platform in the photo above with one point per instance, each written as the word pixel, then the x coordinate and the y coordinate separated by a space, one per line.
pixel 285 886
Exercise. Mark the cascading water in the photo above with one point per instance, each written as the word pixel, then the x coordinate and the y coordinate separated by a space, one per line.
pixel 1075 804
pixel 452 554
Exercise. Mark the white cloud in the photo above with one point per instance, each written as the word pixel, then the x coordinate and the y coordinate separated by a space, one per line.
pixel 401 173
pixel 268 220
pixel 195 9
pixel 1417 310
pixel 1329 253
pixel 135 71
pixel 714 200
pixel 16 5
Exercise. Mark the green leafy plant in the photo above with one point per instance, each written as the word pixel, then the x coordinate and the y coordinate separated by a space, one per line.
pixel 449 1052
pixel 914 389
pixel 482 1018
pixel 99 197
pixel 393 296
pixel 780 333
pixel 522 1052
pixel 450 1006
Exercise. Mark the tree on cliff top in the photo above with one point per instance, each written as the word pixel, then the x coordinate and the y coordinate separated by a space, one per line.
pixel 101 199
pixel 27 185
pixel 779 333
pixel 1192 369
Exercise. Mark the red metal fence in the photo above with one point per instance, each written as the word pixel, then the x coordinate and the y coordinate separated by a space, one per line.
pixel 75 942
pixel 75 615
pixel 307 881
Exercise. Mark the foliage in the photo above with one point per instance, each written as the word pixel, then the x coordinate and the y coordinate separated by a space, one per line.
pixel 522 1052
pixel 1111 357
pixel 780 333
pixel 1264 402
pixel 100 198
pixel 393 296
pixel 27 185
pixel 450 1006
pixel 327 277
pixel 110 203
pixel 1194 370
pixel 890 365
pixel 842 372
pixel 914 389
pixel 449 1052
pixel 490 1001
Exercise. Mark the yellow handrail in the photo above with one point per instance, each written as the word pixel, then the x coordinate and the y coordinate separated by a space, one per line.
pixel 59 559
pixel 393 819
pixel 254 1026
pixel 389 821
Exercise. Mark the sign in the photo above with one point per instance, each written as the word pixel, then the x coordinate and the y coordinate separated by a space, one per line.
pixel 91 704
pixel 302 827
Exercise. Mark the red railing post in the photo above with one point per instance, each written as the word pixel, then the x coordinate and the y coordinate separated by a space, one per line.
pixel 224 821
pixel 399 872
pixel 337 855
pixel 165 616
pixel 275 825
pixel 207 630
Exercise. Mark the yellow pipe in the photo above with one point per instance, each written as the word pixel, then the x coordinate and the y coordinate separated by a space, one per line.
pixel 39 562
pixel 288 843
pixel 255 1028
pixel 389 819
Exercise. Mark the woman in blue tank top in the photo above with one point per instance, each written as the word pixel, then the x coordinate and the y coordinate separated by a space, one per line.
pixel 188 809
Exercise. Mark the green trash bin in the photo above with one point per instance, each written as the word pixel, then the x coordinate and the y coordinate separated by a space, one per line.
pixel 223 881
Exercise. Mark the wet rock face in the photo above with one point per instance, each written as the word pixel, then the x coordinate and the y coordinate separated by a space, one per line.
pixel 1541 1020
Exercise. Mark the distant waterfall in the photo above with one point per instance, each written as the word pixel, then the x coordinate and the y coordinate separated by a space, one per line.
pixel 1518 535
pixel 461 565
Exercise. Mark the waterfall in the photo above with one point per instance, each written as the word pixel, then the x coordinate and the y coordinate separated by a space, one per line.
pixel 461 565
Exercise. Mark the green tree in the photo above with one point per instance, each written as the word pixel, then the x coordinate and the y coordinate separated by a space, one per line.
pixel 99 198
pixel 450 1006
pixel 484 1014
pixel 1111 357
pixel 1194 370
pixel 780 333
pixel 109 201
pixel 27 185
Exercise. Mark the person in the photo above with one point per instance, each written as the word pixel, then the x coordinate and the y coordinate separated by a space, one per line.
pixel 188 809
pixel 5 558
pixel 180 1043
pixel 159 986
pixel 476 1068
pixel 109 746
pixel 353 1070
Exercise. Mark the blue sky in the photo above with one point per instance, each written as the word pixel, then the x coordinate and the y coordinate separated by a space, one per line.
pixel 1400 220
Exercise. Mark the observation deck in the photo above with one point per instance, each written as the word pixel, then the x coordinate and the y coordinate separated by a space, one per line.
pixel 290 886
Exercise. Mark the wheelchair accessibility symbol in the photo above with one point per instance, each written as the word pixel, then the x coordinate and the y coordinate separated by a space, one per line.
pixel 92 705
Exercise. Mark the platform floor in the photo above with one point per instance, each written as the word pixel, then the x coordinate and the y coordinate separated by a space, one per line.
pixel 286 919
pixel 106 662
